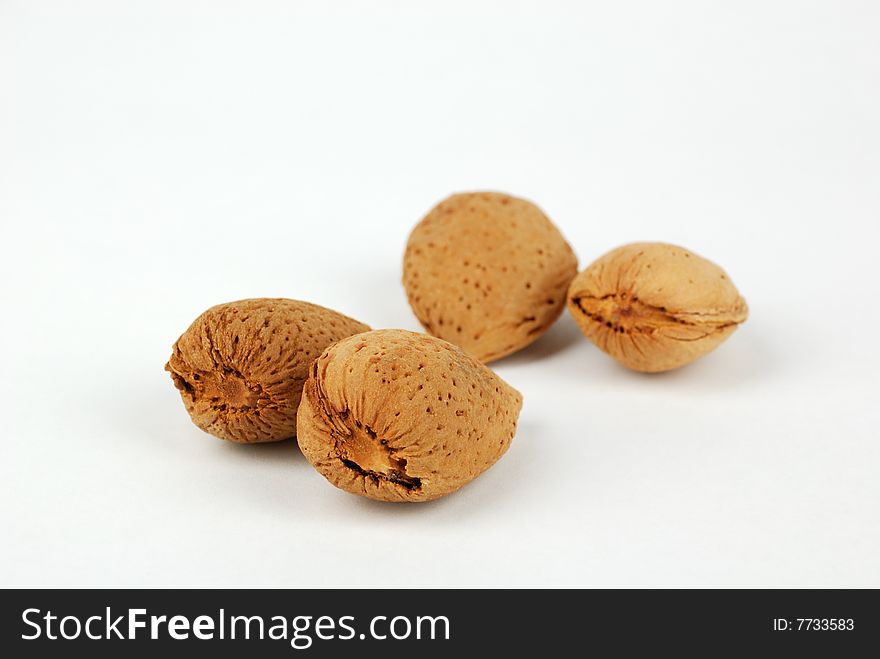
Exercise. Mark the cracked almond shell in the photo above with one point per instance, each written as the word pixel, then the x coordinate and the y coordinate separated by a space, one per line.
pixel 487 272
pixel 399 416
pixel 655 307
pixel 241 366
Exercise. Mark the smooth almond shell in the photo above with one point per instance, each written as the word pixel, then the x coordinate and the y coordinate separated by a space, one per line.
pixel 654 306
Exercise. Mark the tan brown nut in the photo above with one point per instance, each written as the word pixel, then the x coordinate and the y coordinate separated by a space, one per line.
pixel 241 366
pixel 654 306
pixel 399 416
pixel 487 272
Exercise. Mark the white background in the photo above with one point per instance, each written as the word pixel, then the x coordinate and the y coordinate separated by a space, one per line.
pixel 157 158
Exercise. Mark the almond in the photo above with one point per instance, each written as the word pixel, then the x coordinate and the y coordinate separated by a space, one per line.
pixel 487 272
pixel 241 366
pixel 654 306
pixel 399 416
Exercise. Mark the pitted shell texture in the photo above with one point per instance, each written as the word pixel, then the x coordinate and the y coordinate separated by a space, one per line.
pixel 399 416
pixel 241 366
pixel 487 272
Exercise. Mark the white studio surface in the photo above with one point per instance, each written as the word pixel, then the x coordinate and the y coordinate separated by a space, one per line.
pixel 157 158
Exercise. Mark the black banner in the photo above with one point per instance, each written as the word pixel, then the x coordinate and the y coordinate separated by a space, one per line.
pixel 435 623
